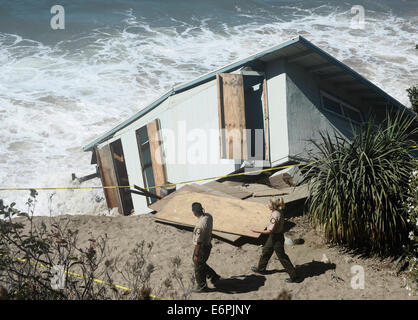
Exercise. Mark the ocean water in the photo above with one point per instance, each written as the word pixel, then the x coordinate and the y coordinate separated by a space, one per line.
pixel 60 89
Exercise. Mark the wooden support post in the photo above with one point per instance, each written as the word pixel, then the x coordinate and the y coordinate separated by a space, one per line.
pixel 144 192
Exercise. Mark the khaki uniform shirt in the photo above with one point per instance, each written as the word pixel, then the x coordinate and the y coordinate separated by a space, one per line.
pixel 202 232
pixel 276 222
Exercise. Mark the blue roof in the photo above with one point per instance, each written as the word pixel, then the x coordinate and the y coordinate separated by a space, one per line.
pixel 297 48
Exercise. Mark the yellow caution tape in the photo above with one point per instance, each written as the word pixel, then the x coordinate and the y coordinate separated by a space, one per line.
pixel 229 175
pixel 83 277
pixel 165 185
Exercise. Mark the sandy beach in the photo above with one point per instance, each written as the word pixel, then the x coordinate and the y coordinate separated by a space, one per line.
pixel 324 277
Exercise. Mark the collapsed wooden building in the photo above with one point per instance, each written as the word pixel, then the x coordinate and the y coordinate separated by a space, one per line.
pixel 284 95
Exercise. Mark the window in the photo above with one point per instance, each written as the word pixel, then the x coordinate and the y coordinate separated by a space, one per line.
pixel 341 108
pixel 352 114
pixel 332 105
pixel 146 161
pixel 152 159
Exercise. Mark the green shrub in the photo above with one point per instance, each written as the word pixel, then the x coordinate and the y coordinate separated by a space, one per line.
pixel 358 188
pixel 413 98
pixel 411 250
pixel 31 252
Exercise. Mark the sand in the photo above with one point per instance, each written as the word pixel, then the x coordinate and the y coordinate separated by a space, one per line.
pixel 320 279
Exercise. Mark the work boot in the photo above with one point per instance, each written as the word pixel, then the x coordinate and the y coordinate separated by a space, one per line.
pixel 294 280
pixel 255 269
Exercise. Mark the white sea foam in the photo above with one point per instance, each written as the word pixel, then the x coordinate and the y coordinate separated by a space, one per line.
pixel 54 100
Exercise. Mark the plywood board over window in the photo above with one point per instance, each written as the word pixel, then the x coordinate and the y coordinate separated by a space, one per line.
pixel 108 177
pixel 231 111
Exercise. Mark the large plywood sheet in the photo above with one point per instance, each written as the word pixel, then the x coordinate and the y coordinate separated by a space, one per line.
pixel 108 177
pixel 158 161
pixel 231 107
pixel 193 187
pixel 225 236
pixel 229 215
pixel 289 194
pixel 234 191
pixel 158 206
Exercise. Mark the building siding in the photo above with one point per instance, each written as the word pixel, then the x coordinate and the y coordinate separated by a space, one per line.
pixel 277 108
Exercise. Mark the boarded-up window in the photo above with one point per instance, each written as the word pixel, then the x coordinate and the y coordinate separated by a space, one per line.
pixel 152 158
pixel 231 107
pixel 243 116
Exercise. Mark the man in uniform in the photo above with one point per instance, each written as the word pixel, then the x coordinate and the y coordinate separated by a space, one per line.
pixel 202 236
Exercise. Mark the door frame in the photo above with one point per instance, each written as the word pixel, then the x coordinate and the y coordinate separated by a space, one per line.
pixel 124 210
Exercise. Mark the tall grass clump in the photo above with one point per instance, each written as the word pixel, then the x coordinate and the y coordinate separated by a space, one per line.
pixel 358 188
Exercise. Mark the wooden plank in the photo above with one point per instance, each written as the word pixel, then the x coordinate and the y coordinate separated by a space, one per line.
pixel 227 236
pixel 269 193
pixel 208 189
pixel 158 161
pixel 108 177
pixel 159 205
pixel 231 104
pixel 229 215
pixel 295 193
pixel 193 187
pixel 234 191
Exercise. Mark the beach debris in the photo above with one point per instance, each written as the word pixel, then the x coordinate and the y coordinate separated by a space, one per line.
pixel 282 179
pixel 325 259
pixel 298 241
pixel 288 241
pixel 335 276
pixel 284 295
pixel 348 260
pixel 113 212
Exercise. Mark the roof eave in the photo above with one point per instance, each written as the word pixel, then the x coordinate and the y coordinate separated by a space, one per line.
pixel 356 75
pixel 234 66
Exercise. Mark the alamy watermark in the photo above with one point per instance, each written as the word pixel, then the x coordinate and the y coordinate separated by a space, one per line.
pixel 358 20
pixel 58 19
pixel 213 146
pixel 357 281
pixel 58 279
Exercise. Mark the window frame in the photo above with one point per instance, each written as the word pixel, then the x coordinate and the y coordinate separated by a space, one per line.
pixel 342 104
pixel 141 147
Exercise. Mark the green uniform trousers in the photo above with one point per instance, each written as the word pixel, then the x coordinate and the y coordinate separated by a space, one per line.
pixel 275 243
pixel 201 269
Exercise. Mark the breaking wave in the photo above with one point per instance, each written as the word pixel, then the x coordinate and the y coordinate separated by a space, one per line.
pixel 55 98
